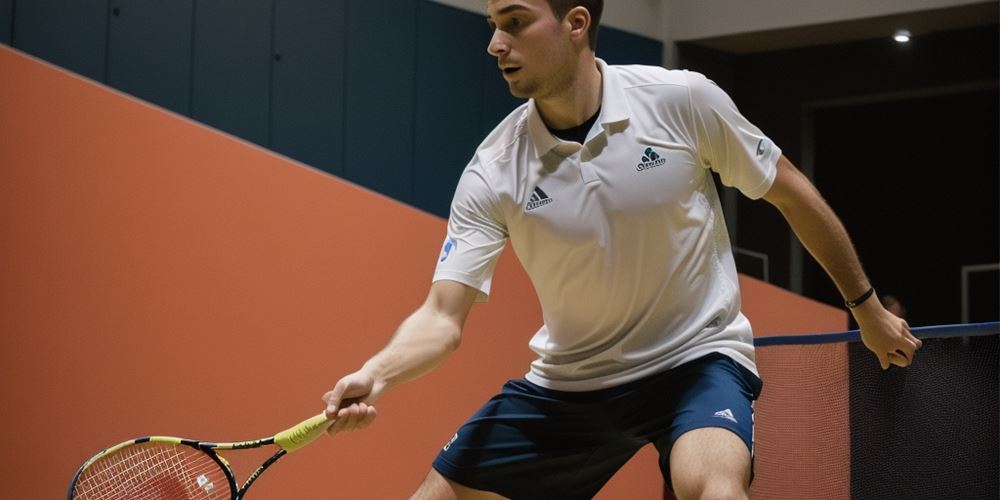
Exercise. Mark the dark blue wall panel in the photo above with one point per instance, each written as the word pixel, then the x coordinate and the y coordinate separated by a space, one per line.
pixel 150 51
pixel 6 20
pixel 497 101
pixel 70 34
pixel 231 82
pixel 379 112
pixel 307 114
pixel 448 102
pixel 394 95
pixel 621 47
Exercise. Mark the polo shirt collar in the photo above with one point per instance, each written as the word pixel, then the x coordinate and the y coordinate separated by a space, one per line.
pixel 614 109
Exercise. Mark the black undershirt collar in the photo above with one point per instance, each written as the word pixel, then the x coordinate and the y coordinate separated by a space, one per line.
pixel 578 133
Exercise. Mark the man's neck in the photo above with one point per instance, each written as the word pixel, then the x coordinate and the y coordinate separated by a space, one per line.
pixel 578 102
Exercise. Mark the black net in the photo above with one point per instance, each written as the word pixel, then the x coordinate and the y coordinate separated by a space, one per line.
pixel 930 431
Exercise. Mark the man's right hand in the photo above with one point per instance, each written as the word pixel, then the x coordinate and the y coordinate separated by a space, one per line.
pixel 350 403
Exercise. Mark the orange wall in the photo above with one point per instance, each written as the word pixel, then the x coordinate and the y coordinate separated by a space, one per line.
pixel 161 277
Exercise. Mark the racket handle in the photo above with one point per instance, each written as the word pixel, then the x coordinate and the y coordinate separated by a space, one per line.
pixel 302 434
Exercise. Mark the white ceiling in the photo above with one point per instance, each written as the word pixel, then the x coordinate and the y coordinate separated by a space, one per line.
pixel 742 26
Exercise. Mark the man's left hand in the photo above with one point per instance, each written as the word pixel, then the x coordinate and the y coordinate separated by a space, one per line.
pixel 886 335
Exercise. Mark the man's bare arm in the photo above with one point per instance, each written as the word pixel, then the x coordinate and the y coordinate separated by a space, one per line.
pixel 421 343
pixel 821 232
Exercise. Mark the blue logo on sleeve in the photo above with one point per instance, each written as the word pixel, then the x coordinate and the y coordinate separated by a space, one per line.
pixel 449 245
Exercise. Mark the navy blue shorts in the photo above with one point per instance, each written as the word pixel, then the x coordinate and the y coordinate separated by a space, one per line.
pixel 532 442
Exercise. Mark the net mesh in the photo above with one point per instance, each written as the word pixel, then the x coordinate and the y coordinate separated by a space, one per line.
pixel 801 423
pixel 152 471
pixel 831 424
pixel 930 431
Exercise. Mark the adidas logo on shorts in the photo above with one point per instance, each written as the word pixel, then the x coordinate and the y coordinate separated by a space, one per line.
pixel 448 444
pixel 726 414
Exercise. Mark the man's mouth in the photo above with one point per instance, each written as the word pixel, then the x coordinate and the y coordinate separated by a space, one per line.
pixel 510 70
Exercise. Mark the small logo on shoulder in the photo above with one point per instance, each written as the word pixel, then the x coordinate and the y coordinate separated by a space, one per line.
pixel 538 199
pixel 650 159
pixel 449 245
pixel 761 148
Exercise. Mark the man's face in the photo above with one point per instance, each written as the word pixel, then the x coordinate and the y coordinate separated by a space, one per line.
pixel 532 47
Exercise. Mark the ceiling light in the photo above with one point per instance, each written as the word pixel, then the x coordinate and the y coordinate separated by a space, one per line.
pixel 902 36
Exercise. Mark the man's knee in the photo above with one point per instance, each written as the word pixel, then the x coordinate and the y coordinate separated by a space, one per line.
pixel 712 488
pixel 710 463
pixel 438 487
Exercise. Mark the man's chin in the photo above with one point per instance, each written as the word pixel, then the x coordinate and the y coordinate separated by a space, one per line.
pixel 519 91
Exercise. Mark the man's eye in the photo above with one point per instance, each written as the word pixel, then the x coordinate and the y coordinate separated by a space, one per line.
pixel 512 24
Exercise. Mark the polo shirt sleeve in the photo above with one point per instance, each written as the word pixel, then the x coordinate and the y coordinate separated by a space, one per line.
pixel 476 235
pixel 728 143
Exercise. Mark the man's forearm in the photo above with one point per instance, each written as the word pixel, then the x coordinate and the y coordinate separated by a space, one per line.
pixel 422 342
pixel 826 239
pixel 821 232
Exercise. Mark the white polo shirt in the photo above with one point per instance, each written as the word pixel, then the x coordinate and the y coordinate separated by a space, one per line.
pixel 623 236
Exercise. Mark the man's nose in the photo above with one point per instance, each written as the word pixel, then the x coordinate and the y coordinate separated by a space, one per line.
pixel 498 44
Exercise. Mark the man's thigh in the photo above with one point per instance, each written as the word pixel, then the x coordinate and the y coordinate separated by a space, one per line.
pixel 710 462
pixel 530 442
pixel 713 414
pixel 438 487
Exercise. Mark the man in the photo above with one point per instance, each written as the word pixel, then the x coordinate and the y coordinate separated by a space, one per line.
pixel 602 184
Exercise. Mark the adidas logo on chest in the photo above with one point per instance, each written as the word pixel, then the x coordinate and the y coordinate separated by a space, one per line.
pixel 538 199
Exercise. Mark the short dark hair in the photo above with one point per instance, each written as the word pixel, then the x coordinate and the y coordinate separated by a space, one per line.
pixel 595 7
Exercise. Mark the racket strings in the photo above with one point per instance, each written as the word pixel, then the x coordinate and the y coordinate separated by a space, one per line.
pixel 153 471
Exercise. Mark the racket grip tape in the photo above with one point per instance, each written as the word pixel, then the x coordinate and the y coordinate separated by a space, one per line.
pixel 303 433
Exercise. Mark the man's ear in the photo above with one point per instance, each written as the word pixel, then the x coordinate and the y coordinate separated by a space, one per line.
pixel 579 20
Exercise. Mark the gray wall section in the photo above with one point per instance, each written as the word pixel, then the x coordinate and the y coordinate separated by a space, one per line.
pixel 6 20
pixel 396 103
pixel 149 51
pixel 307 96
pixel 70 34
pixel 231 81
